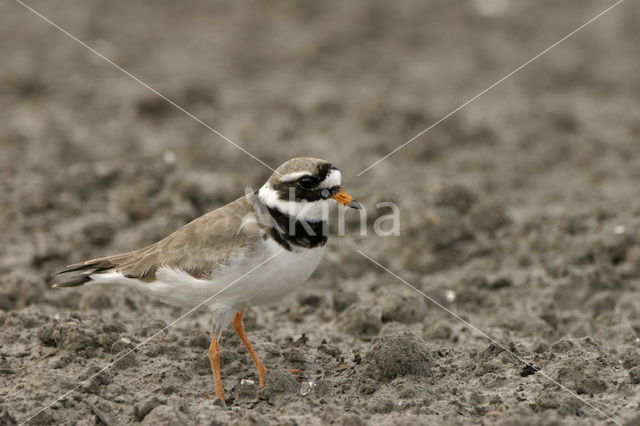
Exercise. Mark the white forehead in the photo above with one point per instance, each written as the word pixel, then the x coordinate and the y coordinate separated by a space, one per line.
pixel 333 178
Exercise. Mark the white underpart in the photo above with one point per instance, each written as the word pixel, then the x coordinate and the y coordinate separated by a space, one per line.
pixel 268 283
pixel 310 211
pixel 333 179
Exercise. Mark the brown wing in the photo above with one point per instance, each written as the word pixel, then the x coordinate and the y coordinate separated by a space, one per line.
pixel 197 248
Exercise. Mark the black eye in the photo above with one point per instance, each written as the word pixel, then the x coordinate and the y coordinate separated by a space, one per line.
pixel 307 182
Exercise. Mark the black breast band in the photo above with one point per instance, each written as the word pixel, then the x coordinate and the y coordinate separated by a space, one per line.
pixel 291 232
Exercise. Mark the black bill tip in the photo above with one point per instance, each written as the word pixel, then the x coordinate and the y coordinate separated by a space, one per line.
pixel 354 204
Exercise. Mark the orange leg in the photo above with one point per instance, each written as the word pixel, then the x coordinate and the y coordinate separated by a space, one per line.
pixel 214 357
pixel 239 329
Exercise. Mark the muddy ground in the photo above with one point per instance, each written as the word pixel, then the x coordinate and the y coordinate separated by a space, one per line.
pixel 520 213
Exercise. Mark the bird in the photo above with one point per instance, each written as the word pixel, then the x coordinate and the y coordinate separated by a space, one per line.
pixel 249 252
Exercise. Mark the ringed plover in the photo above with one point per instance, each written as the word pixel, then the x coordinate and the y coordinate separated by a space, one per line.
pixel 282 229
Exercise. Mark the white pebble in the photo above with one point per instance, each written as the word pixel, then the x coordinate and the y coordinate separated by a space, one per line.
pixel 306 387
pixel 450 295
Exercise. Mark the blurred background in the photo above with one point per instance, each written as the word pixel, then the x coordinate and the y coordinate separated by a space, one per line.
pixel 520 212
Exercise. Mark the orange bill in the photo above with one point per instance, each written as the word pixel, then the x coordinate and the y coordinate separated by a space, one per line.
pixel 346 199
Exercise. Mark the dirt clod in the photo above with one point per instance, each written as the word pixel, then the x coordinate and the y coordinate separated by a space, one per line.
pixel 165 415
pixel 402 354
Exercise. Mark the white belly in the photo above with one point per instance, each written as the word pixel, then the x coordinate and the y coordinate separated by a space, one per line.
pixel 280 275
pixel 249 281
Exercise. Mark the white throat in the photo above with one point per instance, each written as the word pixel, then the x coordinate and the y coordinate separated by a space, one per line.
pixel 310 211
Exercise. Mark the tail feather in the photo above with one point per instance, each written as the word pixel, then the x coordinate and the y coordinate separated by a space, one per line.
pixel 73 281
pixel 131 264
pixel 101 264
pixel 86 269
